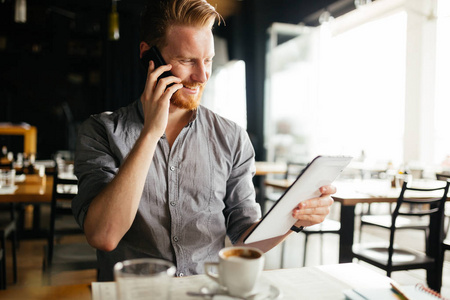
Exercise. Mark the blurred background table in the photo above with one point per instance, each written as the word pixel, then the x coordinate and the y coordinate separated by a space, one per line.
pixel 267 167
pixel 33 189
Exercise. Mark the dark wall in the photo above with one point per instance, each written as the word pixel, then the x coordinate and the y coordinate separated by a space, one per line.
pixel 59 67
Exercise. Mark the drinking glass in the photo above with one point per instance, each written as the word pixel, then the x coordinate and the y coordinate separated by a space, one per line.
pixel 7 178
pixel 144 278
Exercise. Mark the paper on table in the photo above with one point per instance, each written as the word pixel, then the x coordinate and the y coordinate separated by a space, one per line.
pixel 311 283
pixel 372 294
pixel 387 294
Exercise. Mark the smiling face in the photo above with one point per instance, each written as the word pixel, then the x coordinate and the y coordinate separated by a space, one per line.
pixel 190 51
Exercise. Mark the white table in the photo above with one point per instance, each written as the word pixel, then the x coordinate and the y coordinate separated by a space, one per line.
pixel 321 282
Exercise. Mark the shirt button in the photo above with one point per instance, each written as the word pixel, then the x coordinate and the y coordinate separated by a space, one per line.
pixel 173 203
pixel 172 168
pixel 175 239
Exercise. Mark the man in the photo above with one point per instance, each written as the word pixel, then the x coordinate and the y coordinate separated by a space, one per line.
pixel 165 177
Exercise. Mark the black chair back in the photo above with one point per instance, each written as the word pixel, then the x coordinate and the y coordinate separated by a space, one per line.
pixel 64 190
pixel 414 201
pixel 65 255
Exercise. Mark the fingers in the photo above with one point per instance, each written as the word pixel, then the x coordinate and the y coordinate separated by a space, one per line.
pixel 328 190
pixel 313 211
pixel 154 88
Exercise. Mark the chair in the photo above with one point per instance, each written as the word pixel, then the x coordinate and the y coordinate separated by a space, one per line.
pixel 65 256
pixel 8 229
pixel 445 177
pixel 391 257
pixel 2 261
pixel 403 221
pixel 327 226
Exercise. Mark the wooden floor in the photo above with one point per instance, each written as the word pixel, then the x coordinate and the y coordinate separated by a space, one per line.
pixel 29 260
pixel 30 255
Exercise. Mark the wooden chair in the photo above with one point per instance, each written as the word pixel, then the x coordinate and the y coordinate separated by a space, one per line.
pixel 65 256
pixel 391 257
pixel 8 229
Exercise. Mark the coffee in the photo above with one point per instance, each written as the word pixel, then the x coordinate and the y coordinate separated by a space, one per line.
pixel 238 269
pixel 242 253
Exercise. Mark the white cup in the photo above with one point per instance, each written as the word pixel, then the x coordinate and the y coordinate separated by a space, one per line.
pixel 7 178
pixel 238 269
pixel 143 278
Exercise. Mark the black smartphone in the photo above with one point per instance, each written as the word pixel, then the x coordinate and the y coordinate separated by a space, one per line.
pixel 154 54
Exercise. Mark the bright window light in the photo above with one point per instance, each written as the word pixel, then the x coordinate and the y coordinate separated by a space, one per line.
pixel 344 97
pixel 442 103
pixel 225 92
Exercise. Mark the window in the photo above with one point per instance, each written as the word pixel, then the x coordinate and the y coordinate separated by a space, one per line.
pixel 442 104
pixel 361 84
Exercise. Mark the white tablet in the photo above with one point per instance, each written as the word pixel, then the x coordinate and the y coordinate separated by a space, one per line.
pixel 322 170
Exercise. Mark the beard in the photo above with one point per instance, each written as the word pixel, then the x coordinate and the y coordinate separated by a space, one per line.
pixel 189 102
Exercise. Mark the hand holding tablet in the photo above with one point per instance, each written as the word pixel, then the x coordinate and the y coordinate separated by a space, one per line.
pixel 321 171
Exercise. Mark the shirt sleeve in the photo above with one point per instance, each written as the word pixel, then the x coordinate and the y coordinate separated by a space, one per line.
pixel 95 165
pixel 241 209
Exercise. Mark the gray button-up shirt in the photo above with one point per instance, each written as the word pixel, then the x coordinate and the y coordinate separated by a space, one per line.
pixel 195 193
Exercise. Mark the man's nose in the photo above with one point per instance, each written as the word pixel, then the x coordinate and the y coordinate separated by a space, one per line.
pixel 201 73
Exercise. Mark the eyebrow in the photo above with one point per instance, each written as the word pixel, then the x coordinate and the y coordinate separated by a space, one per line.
pixel 191 57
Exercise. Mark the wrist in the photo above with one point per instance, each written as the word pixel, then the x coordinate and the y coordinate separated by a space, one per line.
pixel 296 229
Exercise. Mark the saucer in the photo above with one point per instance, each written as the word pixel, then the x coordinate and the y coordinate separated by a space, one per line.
pixel 264 290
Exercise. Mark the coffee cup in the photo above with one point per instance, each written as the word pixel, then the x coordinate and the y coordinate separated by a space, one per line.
pixel 238 269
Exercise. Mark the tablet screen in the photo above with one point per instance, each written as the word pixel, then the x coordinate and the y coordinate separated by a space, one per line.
pixel 322 170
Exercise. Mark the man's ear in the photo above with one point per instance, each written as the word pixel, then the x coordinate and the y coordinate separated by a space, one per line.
pixel 143 46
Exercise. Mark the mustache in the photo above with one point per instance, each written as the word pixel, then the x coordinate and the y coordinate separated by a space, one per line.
pixel 192 85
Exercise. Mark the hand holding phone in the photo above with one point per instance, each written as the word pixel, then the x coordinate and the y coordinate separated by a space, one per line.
pixel 154 55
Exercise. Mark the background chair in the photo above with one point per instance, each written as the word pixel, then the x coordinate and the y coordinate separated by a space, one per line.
pixel 328 226
pixel 391 257
pixel 62 255
pixel 445 177
pixel 8 229
pixel 403 222
pixel 2 261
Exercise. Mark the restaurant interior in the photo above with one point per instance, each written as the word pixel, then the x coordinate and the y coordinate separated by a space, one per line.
pixel 366 79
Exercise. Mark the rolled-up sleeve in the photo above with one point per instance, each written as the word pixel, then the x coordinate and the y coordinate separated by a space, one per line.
pixel 95 165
